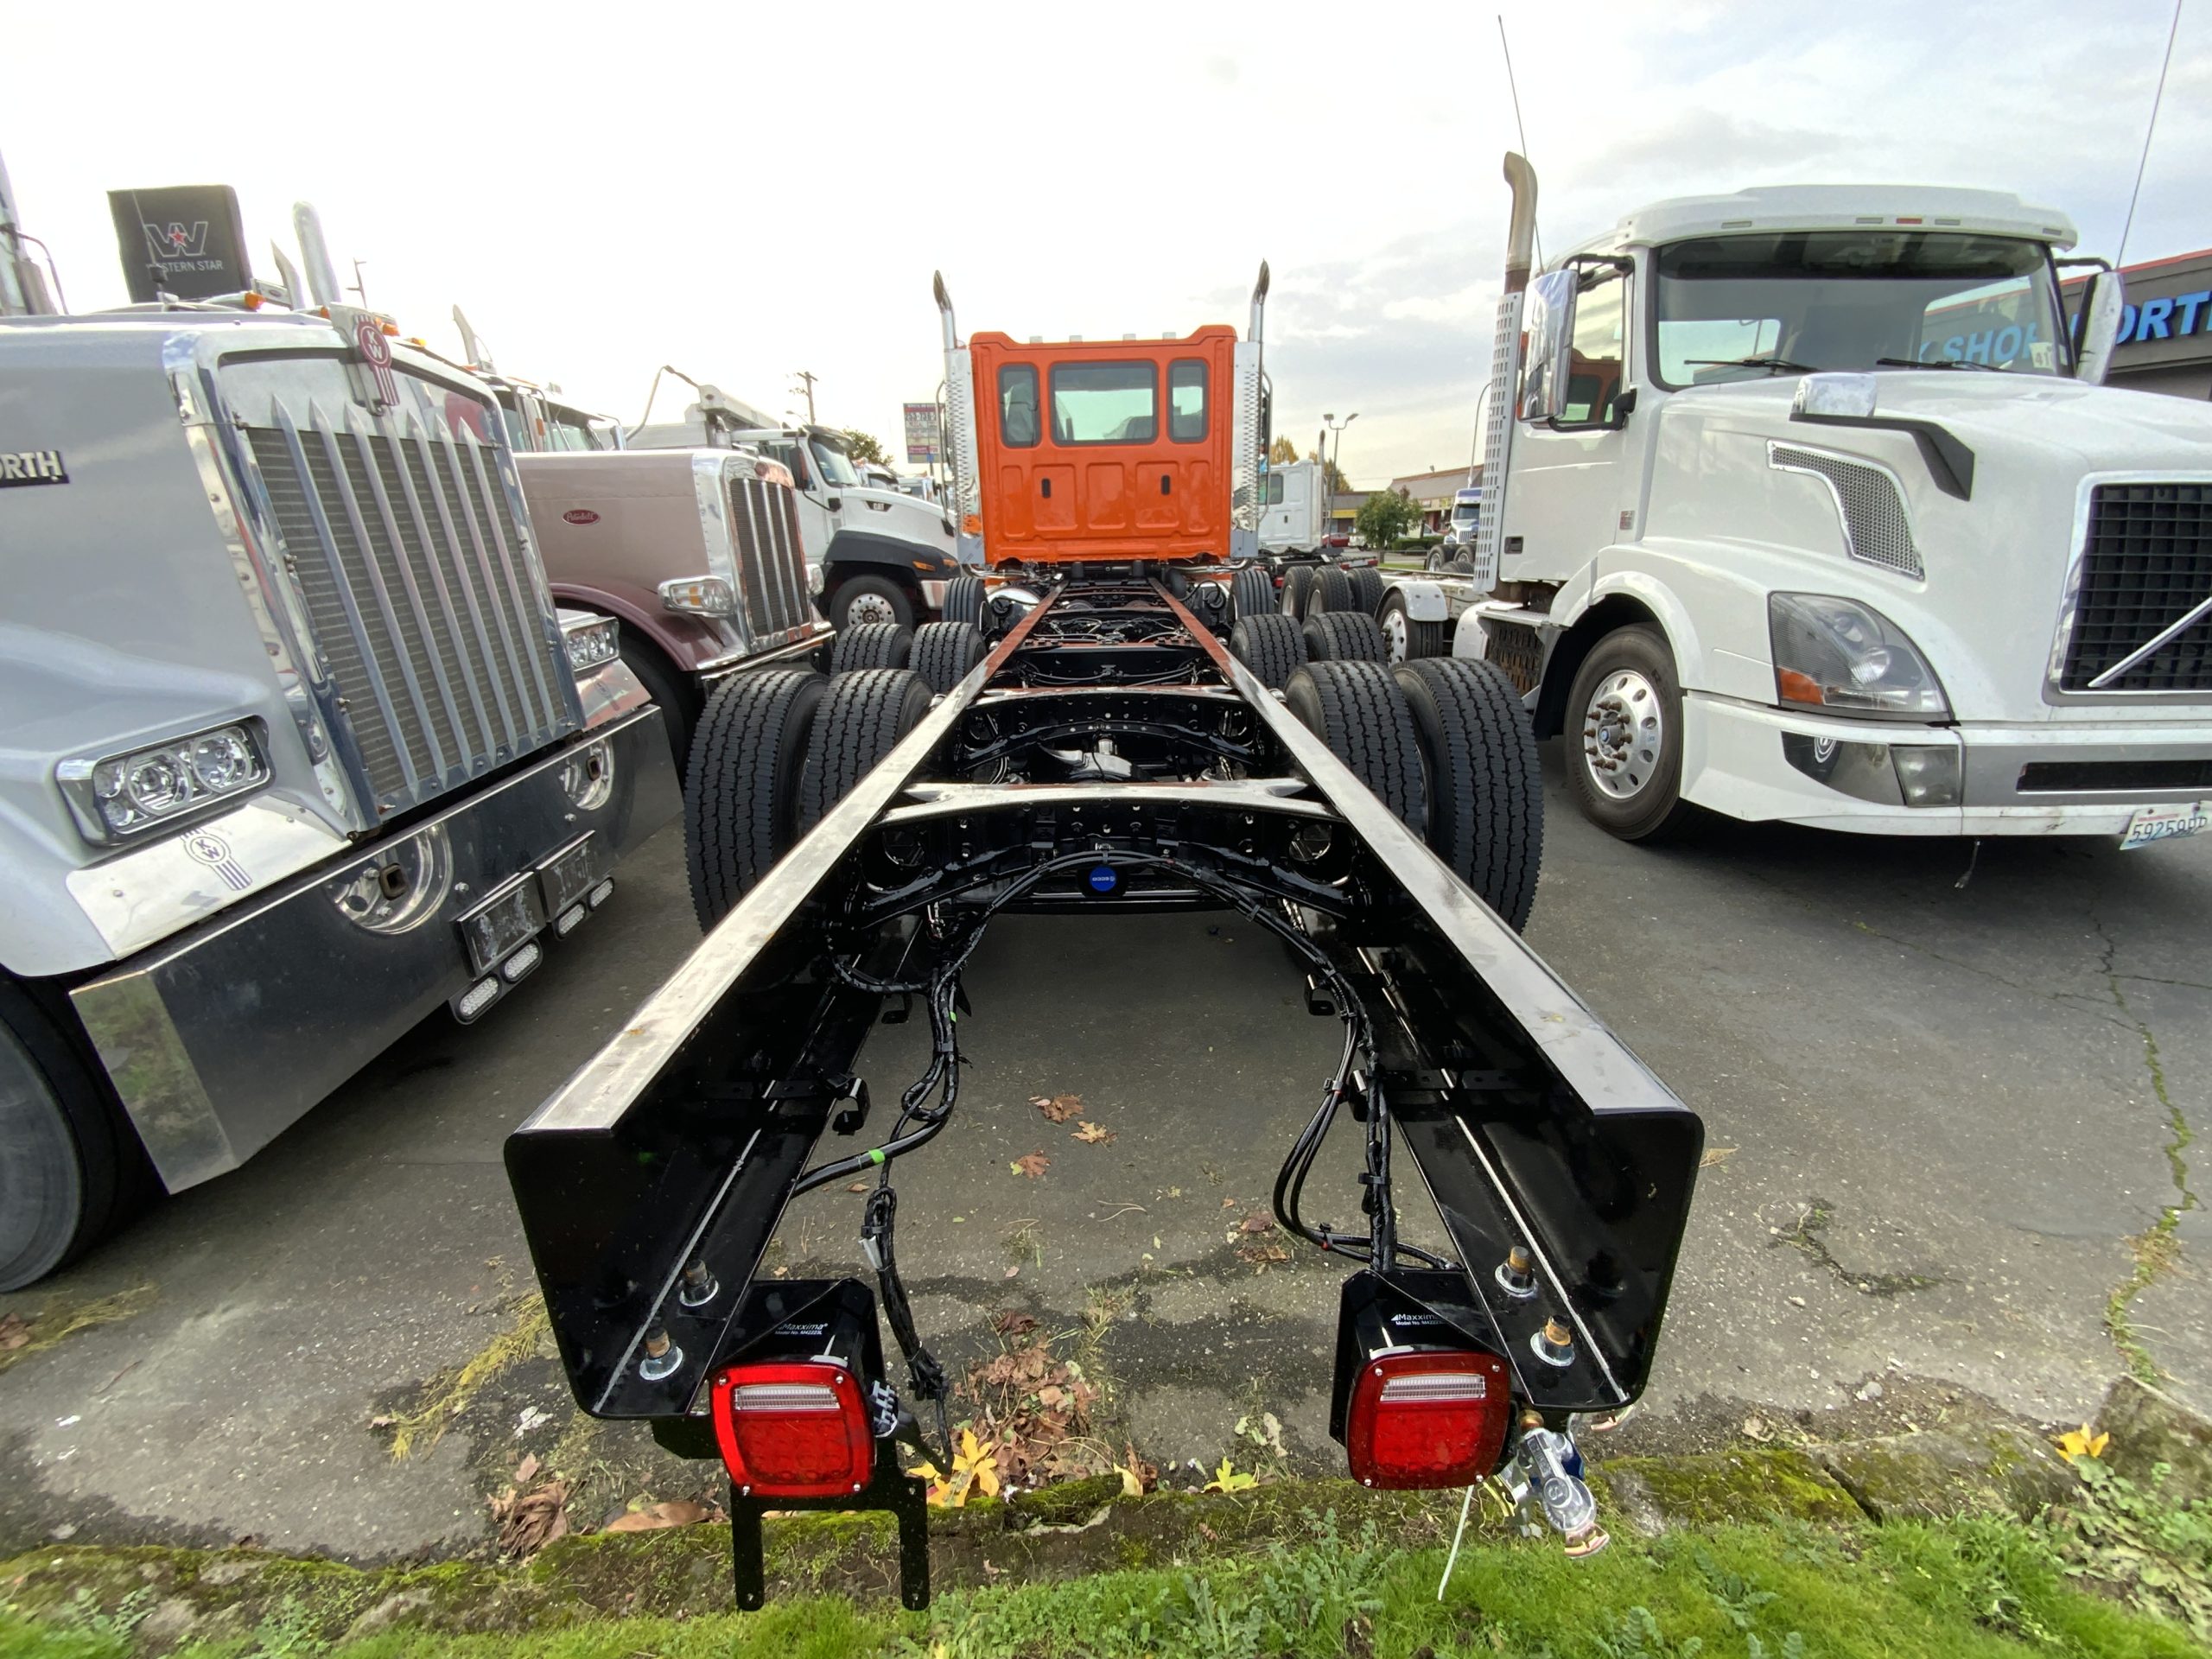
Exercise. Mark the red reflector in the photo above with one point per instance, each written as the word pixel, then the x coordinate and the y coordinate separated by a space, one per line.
pixel 793 1430
pixel 1428 1419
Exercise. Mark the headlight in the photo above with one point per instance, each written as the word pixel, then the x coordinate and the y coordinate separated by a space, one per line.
pixel 591 642
pixel 129 794
pixel 698 596
pixel 1843 658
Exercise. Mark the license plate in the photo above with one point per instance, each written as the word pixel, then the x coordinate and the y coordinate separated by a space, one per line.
pixel 502 922
pixel 567 876
pixel 2152 823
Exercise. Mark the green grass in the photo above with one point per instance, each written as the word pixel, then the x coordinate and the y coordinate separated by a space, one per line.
pixel 1969 1587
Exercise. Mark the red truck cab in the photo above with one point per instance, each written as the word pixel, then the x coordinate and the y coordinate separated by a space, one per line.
pixel 1105 450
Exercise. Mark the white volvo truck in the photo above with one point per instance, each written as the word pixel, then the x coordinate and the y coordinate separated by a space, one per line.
pixel 294 748
pixel 1809 505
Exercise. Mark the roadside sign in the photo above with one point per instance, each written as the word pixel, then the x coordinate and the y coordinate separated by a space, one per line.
pixel 925 443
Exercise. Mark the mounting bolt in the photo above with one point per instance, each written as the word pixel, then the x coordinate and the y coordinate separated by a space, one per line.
pixel 1516 1275
pixel 662 1356
pixel 699 1286
pixel 1554 1344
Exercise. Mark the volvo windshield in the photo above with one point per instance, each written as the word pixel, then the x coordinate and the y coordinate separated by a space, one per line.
pixel 1736 307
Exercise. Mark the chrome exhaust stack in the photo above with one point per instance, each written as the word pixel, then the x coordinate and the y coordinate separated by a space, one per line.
pixel 1497 421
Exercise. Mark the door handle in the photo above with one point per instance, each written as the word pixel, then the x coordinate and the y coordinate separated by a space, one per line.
pixel 1164 479
pixel 1045 485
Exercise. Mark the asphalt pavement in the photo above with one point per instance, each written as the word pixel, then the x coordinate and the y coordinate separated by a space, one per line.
pixel 1948 1101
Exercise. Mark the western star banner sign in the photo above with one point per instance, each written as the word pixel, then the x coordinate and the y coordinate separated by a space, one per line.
pixel 925 441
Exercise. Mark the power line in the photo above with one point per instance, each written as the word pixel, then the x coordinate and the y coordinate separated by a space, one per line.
pixel 2157 98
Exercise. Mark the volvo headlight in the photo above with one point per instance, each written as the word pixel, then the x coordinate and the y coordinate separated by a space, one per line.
pixel 1843 658
pixel 592 640
pixel 129 794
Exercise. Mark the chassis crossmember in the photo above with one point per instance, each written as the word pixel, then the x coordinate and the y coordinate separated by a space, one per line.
pixel 1108 751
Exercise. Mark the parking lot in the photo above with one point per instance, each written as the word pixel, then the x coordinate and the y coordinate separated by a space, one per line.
pixel 1945 1115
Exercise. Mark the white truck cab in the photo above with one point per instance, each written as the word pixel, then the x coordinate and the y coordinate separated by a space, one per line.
pixel 1807 505
pixel 873 555
pixel 1293 509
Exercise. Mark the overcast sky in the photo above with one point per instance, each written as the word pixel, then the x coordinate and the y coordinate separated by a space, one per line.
pixel 740 192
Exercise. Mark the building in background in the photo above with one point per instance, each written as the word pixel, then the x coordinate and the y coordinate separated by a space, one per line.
pixel 2165 332
pixel 1343 508
pixel 1431 492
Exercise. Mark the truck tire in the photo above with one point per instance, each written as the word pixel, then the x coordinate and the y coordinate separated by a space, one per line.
pixel 1438 559
pixel 866 715
pixel 1255 592
pixel 1271 646
pixel 1296 589
pixel 1485 785
pixel 1624 736
pixel 963 601
pixel 740 793
pixel 1366 589
pixel 1332 591
pixel 1406 640
pixel 66 1158
pixel 944 652
pixel 1344 637
pixel 1358 711
pixel 871 644
pixel 1463 565
pixel 677 695
pixel 862 600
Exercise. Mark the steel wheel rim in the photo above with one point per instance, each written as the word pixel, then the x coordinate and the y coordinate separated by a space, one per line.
pixel 868 608
pixel 1393 635
pixel 1623 733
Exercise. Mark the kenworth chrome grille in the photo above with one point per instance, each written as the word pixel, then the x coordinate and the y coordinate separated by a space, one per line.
pixel 1875 527
pixel 2142 604
pixel 425 604
pixel 771 563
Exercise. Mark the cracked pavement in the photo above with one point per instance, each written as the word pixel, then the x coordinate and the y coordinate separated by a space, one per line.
pixel 1956 1122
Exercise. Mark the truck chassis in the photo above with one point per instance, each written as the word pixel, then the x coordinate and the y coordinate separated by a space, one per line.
pixel 1107 750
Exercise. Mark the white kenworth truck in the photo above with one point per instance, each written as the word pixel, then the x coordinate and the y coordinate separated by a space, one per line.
pixel 293 747
pixel 1806 504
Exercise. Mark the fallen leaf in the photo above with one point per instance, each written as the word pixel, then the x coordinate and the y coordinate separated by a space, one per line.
pixel 526 1471
pixel 857 1186
pixel 1226 1479
pixel 1014 1323
pixel 528 1520
pixel 2082 1442
pixel 1058 1108
pixel 14 1332
pixel 1228 1204
pixel 1262 1255
pixel 1031 1164
pixel 1091 1135
pixel 382 1420
pixel 1013 1273
pixel 1258 1221
pixel 679 1512
pixel 1715 1155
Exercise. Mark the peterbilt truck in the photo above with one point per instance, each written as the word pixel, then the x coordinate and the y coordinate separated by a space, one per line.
pixel 1806 504
pixel 873 556
pixel 1117 717
pixel 295 749
pixel 699 553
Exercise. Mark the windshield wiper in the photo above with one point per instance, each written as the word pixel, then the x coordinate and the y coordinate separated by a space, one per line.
pixel 1776 364
pixel 1935 363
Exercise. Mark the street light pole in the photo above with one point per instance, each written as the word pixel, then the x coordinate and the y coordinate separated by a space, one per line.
pixel 807 380
pixel 1332 471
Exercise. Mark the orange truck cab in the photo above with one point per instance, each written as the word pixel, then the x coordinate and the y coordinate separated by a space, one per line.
pixel 1107 451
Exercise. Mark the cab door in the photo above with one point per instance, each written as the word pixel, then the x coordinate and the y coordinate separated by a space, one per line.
pixel 1572 473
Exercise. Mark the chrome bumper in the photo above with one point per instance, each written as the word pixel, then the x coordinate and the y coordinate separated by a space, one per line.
pixel 219 1038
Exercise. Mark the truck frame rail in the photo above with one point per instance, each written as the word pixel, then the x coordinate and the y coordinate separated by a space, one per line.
pixel 1108 751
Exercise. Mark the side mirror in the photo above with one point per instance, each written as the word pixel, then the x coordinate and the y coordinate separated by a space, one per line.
pixel 2096 330
pixel 1547 321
